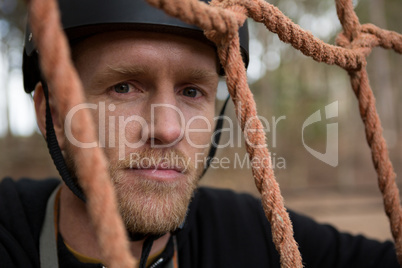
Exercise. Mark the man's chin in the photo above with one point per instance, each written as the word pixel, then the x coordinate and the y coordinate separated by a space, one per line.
pixel 154 207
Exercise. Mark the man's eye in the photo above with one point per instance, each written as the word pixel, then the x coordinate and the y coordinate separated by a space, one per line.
pixel 191 92
pixel 121 88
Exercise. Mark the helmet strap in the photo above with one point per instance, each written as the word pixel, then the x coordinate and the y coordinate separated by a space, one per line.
pixel 216 137
pixel 55 151
pixel 146 249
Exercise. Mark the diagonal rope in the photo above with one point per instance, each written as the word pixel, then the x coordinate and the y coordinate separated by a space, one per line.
pixel 65 86
pixel 368 112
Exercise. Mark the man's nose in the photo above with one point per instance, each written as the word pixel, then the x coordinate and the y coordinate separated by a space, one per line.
pixel 166 124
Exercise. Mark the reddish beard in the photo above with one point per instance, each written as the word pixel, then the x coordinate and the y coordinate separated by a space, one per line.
pixel 150 206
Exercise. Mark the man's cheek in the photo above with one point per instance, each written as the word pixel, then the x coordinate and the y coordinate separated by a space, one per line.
pixel 198 132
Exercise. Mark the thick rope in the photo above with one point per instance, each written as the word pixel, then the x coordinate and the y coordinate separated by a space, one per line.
pixel 65 86
pixel 220 24
pixel 354 39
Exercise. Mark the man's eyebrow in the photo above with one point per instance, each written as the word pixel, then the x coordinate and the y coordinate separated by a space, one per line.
pixel 201 74
pixel 127 70
pixel 121 73
pixel 118 73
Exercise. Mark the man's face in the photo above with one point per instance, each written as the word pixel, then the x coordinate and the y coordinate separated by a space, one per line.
pixel 155 96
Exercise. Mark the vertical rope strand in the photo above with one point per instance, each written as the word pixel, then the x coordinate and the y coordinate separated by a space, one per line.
pixel 379 154
pixel 368 112
pixel 91 164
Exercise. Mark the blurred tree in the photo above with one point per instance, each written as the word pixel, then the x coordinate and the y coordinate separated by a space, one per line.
pixel 12 24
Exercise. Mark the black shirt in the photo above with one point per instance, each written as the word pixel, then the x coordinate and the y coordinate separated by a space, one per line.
pixel 223 229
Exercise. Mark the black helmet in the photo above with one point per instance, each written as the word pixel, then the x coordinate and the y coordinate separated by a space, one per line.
pixel 81 19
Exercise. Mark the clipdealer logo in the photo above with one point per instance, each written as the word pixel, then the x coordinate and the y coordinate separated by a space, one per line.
pixel 117 129
pixel 331 149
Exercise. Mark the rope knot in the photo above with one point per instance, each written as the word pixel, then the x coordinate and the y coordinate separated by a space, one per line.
pixel 232 22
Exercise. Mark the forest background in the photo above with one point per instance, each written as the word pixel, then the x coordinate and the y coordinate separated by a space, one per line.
pixel 288 88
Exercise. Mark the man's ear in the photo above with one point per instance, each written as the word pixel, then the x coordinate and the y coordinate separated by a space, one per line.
pixel 40 108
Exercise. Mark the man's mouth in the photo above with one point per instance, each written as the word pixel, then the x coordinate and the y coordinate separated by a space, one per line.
pixel 158 172
pixel 158 166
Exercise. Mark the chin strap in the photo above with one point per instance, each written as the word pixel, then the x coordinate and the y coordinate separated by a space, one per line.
pixel 216 137
pixel 146 249
pixel 55 151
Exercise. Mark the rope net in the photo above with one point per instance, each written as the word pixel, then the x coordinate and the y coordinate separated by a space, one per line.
pixel 220 21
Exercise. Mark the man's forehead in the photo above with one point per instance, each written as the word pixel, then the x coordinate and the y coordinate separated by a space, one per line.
pixel 133 35
pixel 108 41
pixel 132 53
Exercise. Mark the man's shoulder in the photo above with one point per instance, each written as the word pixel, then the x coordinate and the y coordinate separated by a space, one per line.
pixel 235 226
pixel 22 209
pixel 226 229
pixel 205 197
pixel 224 207
pixel 27 190
pixel 24 201
pixel 25 196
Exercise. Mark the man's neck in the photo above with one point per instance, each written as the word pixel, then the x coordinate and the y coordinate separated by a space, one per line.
pixel 77 231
